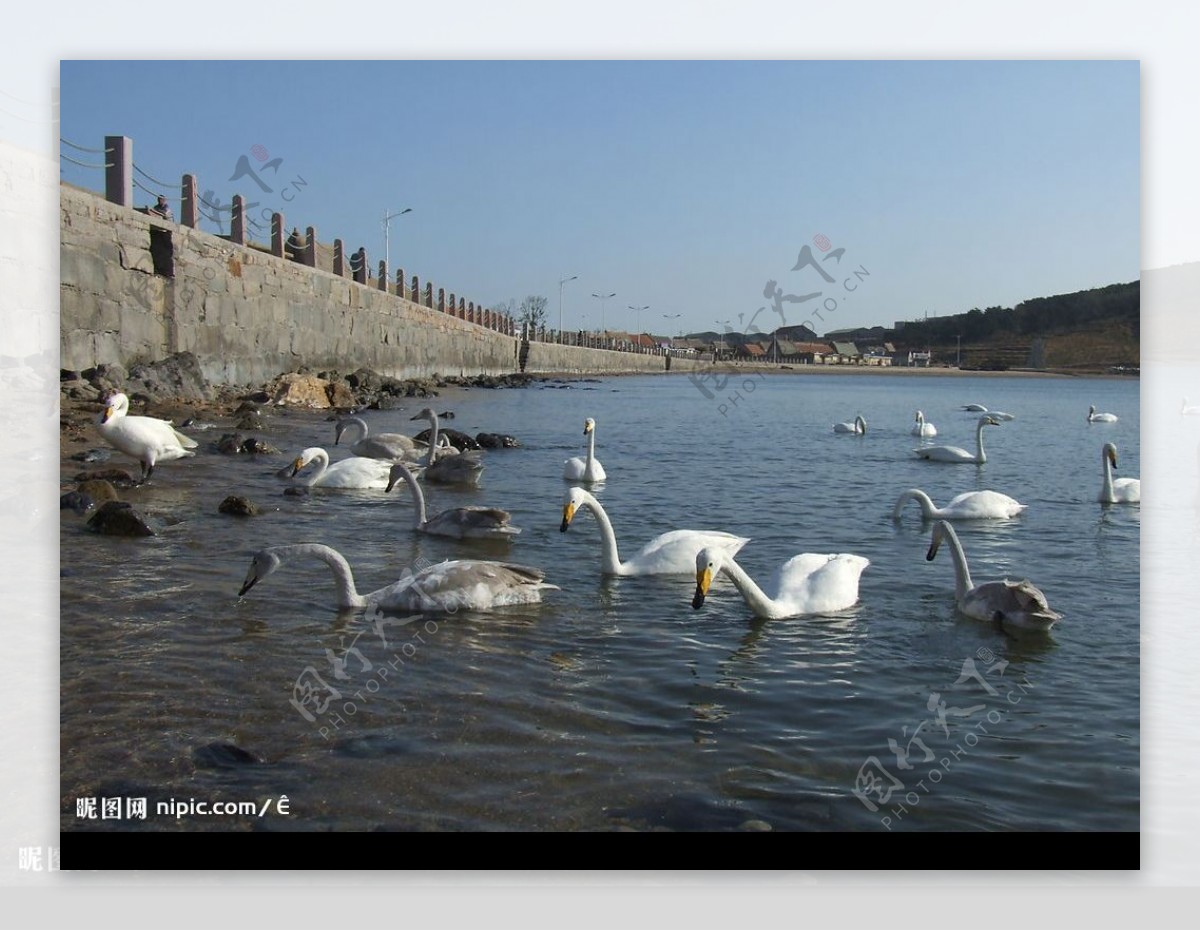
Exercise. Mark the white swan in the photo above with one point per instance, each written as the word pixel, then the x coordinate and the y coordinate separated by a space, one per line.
pixel 447 587
pixel 672 553
pixel 809 583
pixel 351 473
pixel 589 469
pixel 954 453
pixel 458 468
pixel 973 505
pixel 390 446
pixel 459 523
pixel 146 439
pixel 1094 417
pixel 1016 604
pixel 923 429
pixel 859 427
pixel 979 408
pixel 1119 490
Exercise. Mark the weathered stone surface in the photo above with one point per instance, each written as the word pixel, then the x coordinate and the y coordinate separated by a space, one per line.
pixel 340 395
pixel 301 391
pixel 77 501
pixel 118 476
pixel 177 376
pixel 119 518
pixel 237 506
pixel 98 490
pixel 229 444
pixel 255 446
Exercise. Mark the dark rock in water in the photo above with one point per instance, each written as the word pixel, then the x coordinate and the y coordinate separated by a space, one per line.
pixel 98 490
pixel 224 756
pixel 77 501
pixel 446 415
pixel 388 402
pixel 255 446
pixel 249 400
pixel 230 444
pixel 67 374
pixel 118 518
pixel 92 455
pixel 340 395
pixel 296 490
pixel 237 506
pixel 364 380
pixel 497 441
pixel 118 476
pixel 178 376
pixel 249 421
pixel 461 441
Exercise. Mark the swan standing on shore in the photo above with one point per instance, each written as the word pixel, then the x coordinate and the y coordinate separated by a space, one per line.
pixel 809 583
pixel 1119 490
pixel 459 523
pixel 954 453
pixel 973 505
pixel 147 439
pixel 1094 417
pixel 859 427
pixel 390 446
pixel 1016 604
pixel 589 469
pixel 923 429
pixel 463 468
pixel 348 474
pixel 672 553
pixel 446 587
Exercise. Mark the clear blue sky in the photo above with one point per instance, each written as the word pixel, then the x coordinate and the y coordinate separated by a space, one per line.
pixel 685 186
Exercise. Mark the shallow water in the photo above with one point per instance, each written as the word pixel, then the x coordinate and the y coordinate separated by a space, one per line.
pixel 614 703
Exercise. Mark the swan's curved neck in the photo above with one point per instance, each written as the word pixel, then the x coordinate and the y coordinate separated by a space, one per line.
pixel 1106 491
pixel 962 574
pixel 755 597
pixel 980 455
pixel 356 424
pixel 610 559
pixel 591 456
pixel 431 456
pixel 915 494
pixel 418 497
pixel 319 456
pixel 343 578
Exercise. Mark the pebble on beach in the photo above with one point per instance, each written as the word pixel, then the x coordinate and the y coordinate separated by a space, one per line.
pixel 118 518
pixel 238 506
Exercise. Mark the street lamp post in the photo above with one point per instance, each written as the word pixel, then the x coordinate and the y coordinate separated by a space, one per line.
pixel 603 298
pixel 387 219
pixel 561 282
pixel 639 310
pixel 673 316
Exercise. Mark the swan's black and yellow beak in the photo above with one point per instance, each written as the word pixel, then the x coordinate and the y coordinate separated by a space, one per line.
pixel 703 581
pixel 296 466
pixel 568 515
pixel 587 428
pixel 391 484
pixel 108 412
pixel 247 585
pixel 933 548
pixel 1112 458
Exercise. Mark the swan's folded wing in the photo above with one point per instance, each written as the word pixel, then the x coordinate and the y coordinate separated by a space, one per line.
pixel 186 441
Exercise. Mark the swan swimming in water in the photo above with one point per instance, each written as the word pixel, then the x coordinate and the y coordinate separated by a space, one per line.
pixel 390 446
pixel 973 505
pixel 923 429
pixel 1117 490
pixel 1017 604
pixel 446 587
pixel 1094 417
pixel 348 474
pixel 672 553
pixel 979 408
pixel 858 427
pixel 974 408
pixel 954 453
pixel 589 469
pixel 463 468
pixel 809 583
pixel 459 523
pixel 147 439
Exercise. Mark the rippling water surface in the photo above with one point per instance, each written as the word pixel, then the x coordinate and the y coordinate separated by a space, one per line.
pixel 614 703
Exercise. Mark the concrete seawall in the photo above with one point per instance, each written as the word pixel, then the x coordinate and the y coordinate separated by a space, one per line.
pixel 134 288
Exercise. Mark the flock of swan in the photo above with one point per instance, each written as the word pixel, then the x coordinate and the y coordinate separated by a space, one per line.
pixel 806 584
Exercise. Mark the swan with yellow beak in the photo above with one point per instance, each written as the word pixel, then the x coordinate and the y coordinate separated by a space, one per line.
pixel 808 583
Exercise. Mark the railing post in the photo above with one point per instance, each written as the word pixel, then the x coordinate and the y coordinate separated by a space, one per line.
pixel 359 265
pixel 277 237
pixel 189 210
pixel 339 258
pixel 383 276
pixel 237 221
pixel 428 301
pixel 310 247
pixel 416 290
pixel 118 171
pixel 400 283
pixel 441 304
pixel 451 304
pixel 462 308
